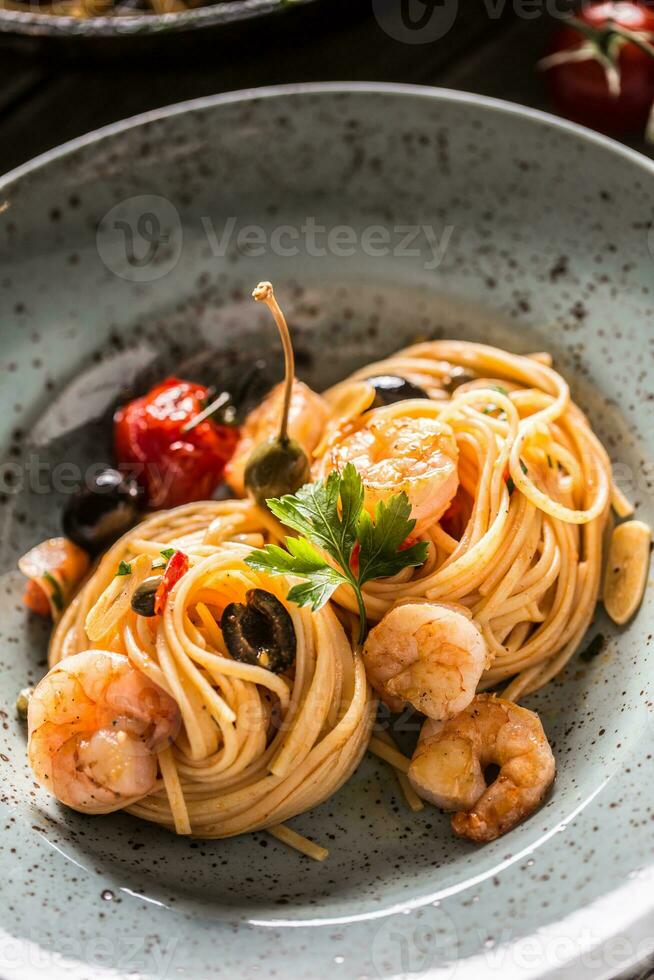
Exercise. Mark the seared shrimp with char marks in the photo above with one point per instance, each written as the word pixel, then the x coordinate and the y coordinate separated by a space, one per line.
pixel 417 455
pixel 307 417
pixel 429 655
pixel 95 724
pixel 448 766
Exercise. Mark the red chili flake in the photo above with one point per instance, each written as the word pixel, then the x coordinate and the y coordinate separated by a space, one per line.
pixel 177 566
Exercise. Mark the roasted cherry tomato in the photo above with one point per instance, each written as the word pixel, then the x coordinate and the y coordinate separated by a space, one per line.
pixel 174 466
pixel 600 69
pixel 176 567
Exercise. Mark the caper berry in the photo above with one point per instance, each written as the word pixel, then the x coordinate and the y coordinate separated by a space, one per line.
pixel 142 601
pixel 22 702
pixel 276 467
pixel 260 632
pixel 102 510
pixel 390 388
pixel 458 376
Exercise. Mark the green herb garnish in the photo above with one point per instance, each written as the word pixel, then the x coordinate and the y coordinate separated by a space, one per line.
pixel 502 391
pixel 167 554
pixel 315 514
pixel 124 568
pixel 549 461
pixel 523 467
pixel 510 485
pixel 57 594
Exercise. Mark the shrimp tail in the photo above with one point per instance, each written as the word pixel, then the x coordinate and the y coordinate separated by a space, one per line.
pixel 499 810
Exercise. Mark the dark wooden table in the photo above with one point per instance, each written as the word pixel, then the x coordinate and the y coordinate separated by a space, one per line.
pixel 49 94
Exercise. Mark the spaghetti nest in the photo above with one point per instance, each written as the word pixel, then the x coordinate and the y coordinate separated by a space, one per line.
pixel 520 545
pixel 254 747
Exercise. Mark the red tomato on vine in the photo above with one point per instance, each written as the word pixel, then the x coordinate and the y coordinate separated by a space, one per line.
pixel 600 68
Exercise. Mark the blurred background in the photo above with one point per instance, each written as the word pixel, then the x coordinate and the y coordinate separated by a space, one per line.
pixel 53 88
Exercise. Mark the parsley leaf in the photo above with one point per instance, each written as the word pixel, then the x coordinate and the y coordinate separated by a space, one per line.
pixel 124 568
pixel 330 516
pixel 380 542
pixel 313 513
pixel 300 559
pixel 168 553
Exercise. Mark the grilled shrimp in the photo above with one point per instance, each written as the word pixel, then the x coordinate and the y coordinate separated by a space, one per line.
pixel 95 725
pixel 307 417
pixel 429 655
pixel 415 454
pixel 448 766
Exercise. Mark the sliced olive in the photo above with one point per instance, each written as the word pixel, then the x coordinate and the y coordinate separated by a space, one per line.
pixel 390 388
pixel 260 631
pixel 102 510
pixel 276 467
pixel 458 376
pixel 142 601
pixel 22 702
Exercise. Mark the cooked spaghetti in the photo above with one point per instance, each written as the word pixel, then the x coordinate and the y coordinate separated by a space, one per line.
pixel 452 543
pixel 535 489
pixel 255 748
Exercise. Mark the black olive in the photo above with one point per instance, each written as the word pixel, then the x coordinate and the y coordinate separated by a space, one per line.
pixel 260 631
pixel 458 376
pixel 143 599
pixel 244 395
pixel 389 389
pixel 276 467
pixel 102 510
pixel 251 391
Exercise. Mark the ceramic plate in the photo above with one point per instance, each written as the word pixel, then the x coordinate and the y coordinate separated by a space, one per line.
pixel 383 215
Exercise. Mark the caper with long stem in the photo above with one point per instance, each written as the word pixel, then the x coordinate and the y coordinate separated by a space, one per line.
pixel 279 465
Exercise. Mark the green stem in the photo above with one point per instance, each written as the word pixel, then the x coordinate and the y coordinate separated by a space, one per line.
pixel 602 36
pixel 264 294
pixel 363 616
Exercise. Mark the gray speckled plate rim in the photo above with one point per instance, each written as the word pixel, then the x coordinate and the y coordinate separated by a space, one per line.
pixel 626 912
pixel 430 93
